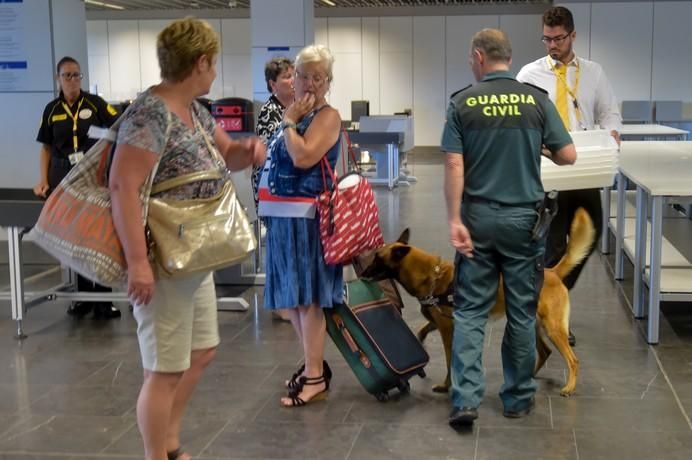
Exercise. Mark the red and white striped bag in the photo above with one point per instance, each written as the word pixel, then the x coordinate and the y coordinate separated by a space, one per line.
pixel 349 221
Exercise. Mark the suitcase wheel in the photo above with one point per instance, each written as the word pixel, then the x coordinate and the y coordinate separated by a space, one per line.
pixel 382 397
pixel 404 386
pixel 422 374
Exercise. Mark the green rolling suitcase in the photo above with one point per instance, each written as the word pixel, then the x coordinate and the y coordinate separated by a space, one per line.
pixel 377 344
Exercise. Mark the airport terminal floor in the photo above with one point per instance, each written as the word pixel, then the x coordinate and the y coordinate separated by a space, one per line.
pixel 68 391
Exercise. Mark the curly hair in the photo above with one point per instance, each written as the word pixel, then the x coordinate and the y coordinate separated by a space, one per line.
pixel 274 68
pixel 559 16
pixel 319 54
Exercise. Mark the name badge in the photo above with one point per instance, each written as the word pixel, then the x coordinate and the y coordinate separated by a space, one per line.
pixel 75 157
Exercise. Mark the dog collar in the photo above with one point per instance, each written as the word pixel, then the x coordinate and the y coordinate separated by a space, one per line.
pixel 430 299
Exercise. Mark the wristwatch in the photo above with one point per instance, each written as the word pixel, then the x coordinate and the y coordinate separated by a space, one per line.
pixel 288 124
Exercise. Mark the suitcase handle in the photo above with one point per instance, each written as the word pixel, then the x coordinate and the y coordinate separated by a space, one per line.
pixel 347 335
pixel 349 340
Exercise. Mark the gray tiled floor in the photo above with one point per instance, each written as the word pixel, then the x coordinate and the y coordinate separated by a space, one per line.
pixel 68 391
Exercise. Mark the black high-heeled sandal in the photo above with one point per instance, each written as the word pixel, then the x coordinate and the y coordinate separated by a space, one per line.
pixel 175 454
pixel 297 401
pixel 327 372
pixel 293 382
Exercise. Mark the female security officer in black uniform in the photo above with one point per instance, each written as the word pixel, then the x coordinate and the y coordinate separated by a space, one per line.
pixel 63 135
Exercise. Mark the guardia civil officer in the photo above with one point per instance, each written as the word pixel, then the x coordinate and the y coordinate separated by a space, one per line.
pixel 63 137
pixel 493 137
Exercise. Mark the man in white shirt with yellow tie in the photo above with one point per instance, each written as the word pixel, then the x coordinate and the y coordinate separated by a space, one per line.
pixel 584 99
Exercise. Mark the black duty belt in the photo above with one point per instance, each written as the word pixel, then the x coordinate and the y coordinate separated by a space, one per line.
pixel 477 200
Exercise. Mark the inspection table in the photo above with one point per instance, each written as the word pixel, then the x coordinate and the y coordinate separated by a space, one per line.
pixel 651 132
pixel 19 211
pixel 661 171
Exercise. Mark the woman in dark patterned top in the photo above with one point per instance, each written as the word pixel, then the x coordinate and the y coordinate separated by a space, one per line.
pixel 279 74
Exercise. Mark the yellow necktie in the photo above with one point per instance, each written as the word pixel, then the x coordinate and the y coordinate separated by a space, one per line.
pixel 561 95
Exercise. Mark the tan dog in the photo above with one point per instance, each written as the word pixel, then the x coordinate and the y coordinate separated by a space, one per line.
pixel 430 280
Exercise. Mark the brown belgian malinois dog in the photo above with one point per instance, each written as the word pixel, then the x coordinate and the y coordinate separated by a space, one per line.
pixel 430 279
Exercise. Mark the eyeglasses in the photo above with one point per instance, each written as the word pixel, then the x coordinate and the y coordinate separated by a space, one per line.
pixel 69 76
pixel 317 80
pixel 557 40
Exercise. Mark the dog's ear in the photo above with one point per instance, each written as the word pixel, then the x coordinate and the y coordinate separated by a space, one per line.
pixel 403 238
pixel 399 252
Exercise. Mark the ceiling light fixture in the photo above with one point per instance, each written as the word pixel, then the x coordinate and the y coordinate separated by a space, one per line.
pixel 104 4
pixel 329 2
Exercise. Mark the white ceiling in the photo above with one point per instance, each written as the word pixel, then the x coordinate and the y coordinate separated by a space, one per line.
pixel 244 4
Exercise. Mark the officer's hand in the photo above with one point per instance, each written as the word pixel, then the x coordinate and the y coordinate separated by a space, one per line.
pixel 140 283
pixel 616 136
pixel 41 189
pixel 460 238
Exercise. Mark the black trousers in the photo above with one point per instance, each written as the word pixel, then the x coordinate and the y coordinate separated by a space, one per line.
pixel 56 173
pixel 556 244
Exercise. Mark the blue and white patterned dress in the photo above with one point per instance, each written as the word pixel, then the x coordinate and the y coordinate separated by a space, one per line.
pixel 296 273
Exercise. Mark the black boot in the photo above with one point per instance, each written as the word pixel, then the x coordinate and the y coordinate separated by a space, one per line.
pixel 461 417
pixel 79 309
pixel 106 310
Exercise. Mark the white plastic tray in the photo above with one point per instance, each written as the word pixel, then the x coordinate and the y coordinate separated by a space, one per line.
pixel 596 165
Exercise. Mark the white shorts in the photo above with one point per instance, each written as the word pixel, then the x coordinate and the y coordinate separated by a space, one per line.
pixel 181 317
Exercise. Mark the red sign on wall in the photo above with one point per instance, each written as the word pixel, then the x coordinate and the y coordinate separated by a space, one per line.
pixel 230 124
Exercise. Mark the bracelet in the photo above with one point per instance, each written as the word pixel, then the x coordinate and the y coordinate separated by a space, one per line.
pixel 289 124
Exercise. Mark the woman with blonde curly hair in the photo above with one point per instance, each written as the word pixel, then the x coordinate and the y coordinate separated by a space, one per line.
pixel 176 318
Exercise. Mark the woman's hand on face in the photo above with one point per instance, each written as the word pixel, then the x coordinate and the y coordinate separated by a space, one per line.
pixel 300 107
pixel 140 284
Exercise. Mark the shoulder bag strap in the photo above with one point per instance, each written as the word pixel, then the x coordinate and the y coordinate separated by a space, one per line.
pixel 349 149
pixel 221 162
pixel 146 189
pixel 326 168
pixel 183 179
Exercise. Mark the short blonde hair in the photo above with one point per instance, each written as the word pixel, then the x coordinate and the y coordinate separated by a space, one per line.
pixel 181 44
pixel 319 54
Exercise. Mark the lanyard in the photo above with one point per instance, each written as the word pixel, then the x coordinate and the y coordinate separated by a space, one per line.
pixel 74 117
pixel 571 91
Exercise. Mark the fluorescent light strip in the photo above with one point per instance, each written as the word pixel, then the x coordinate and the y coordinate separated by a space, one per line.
pixel 103 4
pixel 329 2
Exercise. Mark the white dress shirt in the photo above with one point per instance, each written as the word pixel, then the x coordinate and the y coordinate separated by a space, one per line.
pixel 595 97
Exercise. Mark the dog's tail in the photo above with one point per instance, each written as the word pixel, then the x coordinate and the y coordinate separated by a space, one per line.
pixel 581 237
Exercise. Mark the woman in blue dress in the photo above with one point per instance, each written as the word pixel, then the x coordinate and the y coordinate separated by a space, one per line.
pixel 297 278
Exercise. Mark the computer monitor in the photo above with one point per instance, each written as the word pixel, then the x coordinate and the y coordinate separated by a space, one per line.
pixel 359 109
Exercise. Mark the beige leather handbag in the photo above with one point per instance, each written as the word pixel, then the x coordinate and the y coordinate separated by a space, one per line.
pixel 189 236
